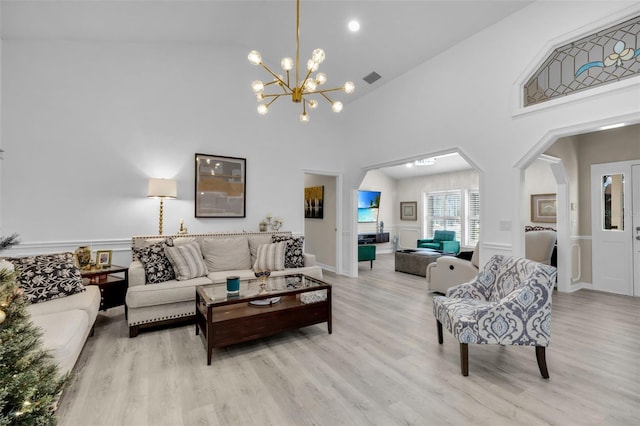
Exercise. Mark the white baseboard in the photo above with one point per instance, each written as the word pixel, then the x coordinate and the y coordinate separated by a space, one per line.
pixel 579 286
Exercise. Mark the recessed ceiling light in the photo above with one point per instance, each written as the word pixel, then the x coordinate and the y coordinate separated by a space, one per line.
pixel 613 126
pixel 354 26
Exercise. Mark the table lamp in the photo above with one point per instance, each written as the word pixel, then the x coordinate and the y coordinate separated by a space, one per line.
pixel 162 188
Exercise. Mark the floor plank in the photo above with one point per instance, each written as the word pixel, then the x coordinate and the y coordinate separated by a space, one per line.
pixel 381 366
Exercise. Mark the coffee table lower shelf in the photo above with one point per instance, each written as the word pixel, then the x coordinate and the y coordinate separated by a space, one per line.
pixel 240 322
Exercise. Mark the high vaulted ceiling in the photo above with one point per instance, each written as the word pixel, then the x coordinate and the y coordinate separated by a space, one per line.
pixel 395 36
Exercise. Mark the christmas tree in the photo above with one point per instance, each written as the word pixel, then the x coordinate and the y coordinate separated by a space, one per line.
pixel 30 382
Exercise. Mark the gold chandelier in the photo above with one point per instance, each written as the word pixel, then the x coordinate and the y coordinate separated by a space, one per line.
pixel 302 89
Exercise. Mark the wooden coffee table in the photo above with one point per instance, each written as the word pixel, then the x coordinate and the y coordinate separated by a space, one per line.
pixel 225 320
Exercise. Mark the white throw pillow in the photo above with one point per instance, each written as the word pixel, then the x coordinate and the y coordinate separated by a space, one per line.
pixel 226 254
pixel 187 261
pixel 270 257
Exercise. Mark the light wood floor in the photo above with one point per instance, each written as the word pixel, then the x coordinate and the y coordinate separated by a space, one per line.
pixel 381 366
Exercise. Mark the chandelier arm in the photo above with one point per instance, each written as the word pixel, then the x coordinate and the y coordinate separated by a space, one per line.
pixel 320 92
pixel 276 97
pixel 306 77
pixel 325 96
pixel 275 75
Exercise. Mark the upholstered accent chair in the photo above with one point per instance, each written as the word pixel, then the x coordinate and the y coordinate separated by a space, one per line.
pixel 448 271
pixel 367 252
pixel 443 241
pixel 539 245
pixel 508 303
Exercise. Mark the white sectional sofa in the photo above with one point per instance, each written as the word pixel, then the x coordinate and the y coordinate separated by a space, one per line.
pixel 66 324
pixel 66 321
pixel 225 254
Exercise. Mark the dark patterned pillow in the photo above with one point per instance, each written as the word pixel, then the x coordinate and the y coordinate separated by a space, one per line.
pixel 157 267
pixel 48 276
pixel 293 255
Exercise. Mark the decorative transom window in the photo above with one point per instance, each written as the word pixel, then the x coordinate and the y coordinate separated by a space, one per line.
pixel 610 55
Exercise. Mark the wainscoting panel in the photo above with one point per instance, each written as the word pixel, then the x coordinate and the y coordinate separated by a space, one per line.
pixel 407 236
pixel 121 248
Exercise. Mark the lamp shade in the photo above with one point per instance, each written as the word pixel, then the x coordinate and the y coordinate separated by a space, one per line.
pixel 166 188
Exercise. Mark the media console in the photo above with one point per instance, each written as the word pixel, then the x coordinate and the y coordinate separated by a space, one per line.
pixel 375 238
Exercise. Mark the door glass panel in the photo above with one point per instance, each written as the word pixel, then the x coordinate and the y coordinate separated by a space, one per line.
pixel 613 202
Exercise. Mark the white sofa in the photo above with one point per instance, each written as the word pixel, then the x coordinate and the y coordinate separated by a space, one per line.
pixel 173 300
pixel 66 323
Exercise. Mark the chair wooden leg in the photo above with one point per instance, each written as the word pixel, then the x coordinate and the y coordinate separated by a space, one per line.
pixel 371 267
pixel 439 324
pixel 542 361
pixel 464 358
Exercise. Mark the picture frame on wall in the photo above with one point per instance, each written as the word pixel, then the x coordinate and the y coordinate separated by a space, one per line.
pixel 408 210
pixel 314 202
pixel 220 186
pixel 543 208
pixel 103 258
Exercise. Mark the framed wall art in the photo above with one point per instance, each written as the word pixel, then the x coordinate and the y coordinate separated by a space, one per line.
pixel 103 258
pixel 408 210
pixel 543 208
pixel 313 202
pixel 220 189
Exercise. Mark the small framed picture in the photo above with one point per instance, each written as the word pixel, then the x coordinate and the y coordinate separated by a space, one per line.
pixel 103 258
pixel 543 208
pixel 408 210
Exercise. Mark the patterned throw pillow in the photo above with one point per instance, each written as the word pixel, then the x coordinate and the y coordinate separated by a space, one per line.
pixel 270 257
pixel 48 276
pixel 157 267
pixel 293 256
pixel 187 261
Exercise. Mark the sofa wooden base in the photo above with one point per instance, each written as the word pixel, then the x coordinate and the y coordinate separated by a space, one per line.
pixel 134 330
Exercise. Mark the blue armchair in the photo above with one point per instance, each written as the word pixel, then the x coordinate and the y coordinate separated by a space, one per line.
pixel 443 241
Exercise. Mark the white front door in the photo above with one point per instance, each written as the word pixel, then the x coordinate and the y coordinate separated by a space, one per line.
pixel 611 204
pixel 635 172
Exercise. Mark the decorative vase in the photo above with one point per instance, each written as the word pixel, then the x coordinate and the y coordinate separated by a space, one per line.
pixel 83 256
pixel 263 226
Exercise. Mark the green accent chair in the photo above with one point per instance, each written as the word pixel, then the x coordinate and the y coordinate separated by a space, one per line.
pixel 443 241
pixel 367 252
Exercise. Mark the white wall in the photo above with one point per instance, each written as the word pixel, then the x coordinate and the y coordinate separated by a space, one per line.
pixel 463 98
pixel 84 124
pixel 538 180
pixel 320 234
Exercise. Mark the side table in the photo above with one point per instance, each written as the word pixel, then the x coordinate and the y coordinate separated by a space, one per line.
pixel 113 283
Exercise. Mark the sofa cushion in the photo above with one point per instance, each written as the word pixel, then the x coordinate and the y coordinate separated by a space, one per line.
pixel 63 335
pixel 172 291
pixel 293 255
pixel 226 254
pixel 157 266
pixel 48 276
pixel 187 261
pixel 270 257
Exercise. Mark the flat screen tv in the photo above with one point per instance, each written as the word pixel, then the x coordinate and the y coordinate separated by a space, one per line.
pixel 368 206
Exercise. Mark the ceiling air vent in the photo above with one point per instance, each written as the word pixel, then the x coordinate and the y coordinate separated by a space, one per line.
pixel 372 77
